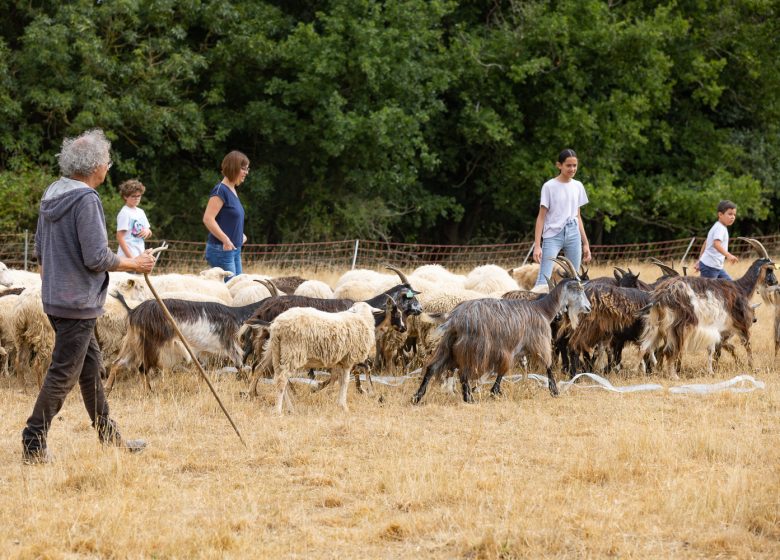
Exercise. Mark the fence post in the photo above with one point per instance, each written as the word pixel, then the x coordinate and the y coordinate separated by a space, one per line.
pixel 354 256
pixel 528 254
pixel 26 246
pixel 682 260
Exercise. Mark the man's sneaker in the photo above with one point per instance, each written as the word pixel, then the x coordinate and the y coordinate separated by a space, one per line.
pixel 36 456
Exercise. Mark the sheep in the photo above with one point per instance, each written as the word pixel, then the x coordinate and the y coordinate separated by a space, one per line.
pixel 210 328
pixel 314 289
pixel 190 283
pixel 10 277
pixel 438 275
pixel 303 338
pixel 8 299
pixel 269 309
pixel 703 312
pixel 216 273
pixel 237 283
pixel 525 275
pixel 250 293
pixel 487 335
pixel 5 277
pixel 489 279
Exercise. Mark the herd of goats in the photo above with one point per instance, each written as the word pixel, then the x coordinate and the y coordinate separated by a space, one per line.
pixel 451 327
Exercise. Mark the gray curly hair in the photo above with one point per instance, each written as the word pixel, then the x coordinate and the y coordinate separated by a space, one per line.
pixel 82 155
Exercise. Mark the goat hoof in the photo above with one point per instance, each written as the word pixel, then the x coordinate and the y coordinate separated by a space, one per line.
pixel 554 390
pixel 416 399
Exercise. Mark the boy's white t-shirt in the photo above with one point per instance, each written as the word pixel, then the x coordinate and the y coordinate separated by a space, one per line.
pixel 711 257
pixel 132 220
pixel 563 201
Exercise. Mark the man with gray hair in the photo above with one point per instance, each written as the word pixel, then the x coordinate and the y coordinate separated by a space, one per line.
pixel 72 249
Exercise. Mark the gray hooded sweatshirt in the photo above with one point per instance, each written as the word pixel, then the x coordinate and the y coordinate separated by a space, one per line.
pixel 72 247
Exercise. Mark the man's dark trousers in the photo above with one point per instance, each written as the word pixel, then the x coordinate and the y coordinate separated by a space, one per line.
pixel 76 358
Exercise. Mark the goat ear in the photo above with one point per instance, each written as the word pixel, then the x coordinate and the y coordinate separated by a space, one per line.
pixel 755 305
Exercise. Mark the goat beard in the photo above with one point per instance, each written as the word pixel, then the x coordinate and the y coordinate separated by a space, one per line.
pixel 574 318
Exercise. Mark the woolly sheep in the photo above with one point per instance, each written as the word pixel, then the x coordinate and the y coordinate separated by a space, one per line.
pixel 191 283
pixel 7 304
pixel 437 274
pixel 250 293
pixel 525 275
pixel 315 289
pixel 304 338
pixel 215 273
pixel 490 278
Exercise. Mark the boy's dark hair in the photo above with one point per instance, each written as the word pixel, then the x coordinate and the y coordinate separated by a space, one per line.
pixel 567 153
pixel 131 187
pixel 725 205
pixel 232 164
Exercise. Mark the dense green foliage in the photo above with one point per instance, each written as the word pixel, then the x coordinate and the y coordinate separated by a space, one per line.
pixel 416 120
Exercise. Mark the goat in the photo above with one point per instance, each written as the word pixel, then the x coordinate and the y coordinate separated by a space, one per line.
pixel 150 340
pixel 771 295
pixel 303 338
pixel 487 335
pixel 704 312
pixel 614 320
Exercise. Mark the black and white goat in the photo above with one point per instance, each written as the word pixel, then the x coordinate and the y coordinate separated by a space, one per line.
pixel 150 342
pixel 488 335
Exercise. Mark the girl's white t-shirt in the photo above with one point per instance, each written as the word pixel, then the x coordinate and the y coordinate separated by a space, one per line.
pixel 132 221
pixel 711 257
pixel 563 201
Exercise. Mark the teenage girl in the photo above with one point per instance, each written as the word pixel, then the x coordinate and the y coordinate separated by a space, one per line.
pixel 559 223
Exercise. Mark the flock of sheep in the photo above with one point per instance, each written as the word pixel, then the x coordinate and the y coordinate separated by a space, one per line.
pixel 450 326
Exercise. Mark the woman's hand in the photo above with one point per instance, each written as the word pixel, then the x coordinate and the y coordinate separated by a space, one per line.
pixel 586 252
pixel 537 253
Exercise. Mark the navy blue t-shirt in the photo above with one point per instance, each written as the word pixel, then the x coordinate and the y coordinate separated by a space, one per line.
pixel 230 217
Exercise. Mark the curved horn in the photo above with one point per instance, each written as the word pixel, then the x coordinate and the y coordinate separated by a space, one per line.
pixel 400 274
pixel 568 266
pixel 668 270
pixel 270 285
pixel 620 270
pixel 756 244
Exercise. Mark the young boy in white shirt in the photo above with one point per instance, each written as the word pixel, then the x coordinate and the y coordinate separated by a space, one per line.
pixel 715 251
pixel 132 226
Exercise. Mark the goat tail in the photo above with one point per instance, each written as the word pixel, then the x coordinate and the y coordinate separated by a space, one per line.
pixel 441 360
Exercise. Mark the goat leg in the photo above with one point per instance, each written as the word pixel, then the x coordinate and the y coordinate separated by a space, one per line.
pixel 552 385
pixel 427 375
pixel 466 388
pixel 496 389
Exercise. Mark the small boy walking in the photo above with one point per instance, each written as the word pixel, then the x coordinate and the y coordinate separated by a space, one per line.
pixel 132 225
pixel 715 251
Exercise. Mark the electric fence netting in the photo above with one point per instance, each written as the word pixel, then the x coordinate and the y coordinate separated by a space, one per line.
pixel 17 251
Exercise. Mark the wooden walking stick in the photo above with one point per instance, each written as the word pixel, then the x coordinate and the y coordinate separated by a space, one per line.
pixel 170 318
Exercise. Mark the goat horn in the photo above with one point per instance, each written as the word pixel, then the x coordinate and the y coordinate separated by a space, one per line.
pixel 400 274
pixel 668 270
pixel 270 285
pixel 756 244
pixel 568 266
pixel 620 270
pixel 550 284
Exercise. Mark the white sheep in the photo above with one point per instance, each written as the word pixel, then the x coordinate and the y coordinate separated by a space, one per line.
pixel 7 304
pixel 10 277
pixel 215 273
pixel 304 338
pixel 437 274
pixel 250 293
pixel 490 278
pixel 237 283
pixel 444 301
pixel 192 283
pixel 315 289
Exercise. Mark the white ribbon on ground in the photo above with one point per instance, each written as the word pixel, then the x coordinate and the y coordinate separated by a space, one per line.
pixel 738 384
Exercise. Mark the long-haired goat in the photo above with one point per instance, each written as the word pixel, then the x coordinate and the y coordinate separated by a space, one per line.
pixel 488 335
pixel 703 312
pixel 210 328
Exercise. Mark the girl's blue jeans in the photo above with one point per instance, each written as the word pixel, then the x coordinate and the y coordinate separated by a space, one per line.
pixel 567 240
pixel 712 272
pixel 226 260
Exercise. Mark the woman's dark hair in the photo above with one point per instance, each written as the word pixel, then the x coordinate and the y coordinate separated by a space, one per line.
pixel 567 153
pixel 725 205
pixel 232 164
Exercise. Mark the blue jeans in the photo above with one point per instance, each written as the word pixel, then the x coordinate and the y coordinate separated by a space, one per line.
pixel 226 260
pixel 711 272
pixel 568 240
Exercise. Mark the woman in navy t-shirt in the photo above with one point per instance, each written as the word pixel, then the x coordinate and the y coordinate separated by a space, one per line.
pixel 224 216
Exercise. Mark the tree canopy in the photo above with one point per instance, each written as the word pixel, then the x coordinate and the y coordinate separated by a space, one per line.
pixel 411 120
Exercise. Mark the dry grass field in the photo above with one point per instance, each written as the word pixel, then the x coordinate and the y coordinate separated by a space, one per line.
pixel 590 474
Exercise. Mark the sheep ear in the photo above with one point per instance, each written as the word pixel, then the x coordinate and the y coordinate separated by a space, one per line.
pixel 130 282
